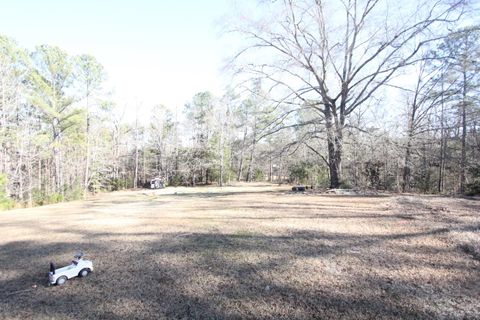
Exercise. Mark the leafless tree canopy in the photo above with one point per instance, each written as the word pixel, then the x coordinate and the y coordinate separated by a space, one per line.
pixel 360 93
pixel 332 57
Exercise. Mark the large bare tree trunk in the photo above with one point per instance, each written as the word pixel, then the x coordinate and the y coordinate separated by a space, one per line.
pixel 334 146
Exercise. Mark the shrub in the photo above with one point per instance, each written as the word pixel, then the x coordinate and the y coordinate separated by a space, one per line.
pixel 116 184
pixel 258 175
pixel 299 172
pixel 39 197
pixel 55 198
pixel 176 180
pixel 74 194
pixel 308 173
pixel 345 185
pixel 5 201
pixel 473 188
pixel 372 173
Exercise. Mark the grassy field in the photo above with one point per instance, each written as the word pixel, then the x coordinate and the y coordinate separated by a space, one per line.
pixel 250 252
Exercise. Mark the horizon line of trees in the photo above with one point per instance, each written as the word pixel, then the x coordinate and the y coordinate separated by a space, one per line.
pixel 305 111
pixel 329 62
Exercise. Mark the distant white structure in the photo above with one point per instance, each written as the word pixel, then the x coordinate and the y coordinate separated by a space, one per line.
pixel 157 183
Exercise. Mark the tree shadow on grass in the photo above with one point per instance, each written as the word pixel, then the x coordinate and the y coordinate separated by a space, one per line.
pixel 214 275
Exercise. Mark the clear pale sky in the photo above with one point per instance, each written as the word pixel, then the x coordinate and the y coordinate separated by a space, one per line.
pixel 154 51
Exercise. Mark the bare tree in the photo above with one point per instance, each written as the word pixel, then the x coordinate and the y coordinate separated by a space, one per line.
pixel 461 53
pixel 423 100
pixel 330 57
pixel 136 133
pixel 90 74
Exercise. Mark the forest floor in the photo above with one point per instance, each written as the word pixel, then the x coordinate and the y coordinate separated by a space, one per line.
pixel 251 252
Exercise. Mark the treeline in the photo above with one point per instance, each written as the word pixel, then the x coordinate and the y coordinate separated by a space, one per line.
pixel 62 137
pixel 338 67
pixel 46 129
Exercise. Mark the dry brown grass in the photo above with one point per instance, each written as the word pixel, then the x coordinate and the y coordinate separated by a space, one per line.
pixel 245 252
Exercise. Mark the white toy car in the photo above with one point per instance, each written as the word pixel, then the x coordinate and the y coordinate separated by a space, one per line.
pixel 78 268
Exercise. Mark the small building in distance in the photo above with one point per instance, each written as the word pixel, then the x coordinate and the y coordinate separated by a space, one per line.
pixel 157 183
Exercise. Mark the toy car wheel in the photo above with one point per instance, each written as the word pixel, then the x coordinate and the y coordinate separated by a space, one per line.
pixel 83 272
pixel 61 280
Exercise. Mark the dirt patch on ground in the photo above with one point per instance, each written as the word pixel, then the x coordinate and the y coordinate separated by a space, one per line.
pixel 245 252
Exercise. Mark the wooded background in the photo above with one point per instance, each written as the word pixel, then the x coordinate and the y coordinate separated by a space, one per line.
pixel 363 94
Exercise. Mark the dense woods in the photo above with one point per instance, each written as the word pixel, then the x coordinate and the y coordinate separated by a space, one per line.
pixel 330 99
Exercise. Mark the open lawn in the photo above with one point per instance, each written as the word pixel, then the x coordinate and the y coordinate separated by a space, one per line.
pixel 251 251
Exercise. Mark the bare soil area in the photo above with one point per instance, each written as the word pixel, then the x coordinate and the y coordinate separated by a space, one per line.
pixel 245 252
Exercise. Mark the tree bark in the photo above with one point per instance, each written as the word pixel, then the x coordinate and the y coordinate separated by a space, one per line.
pixel 443 142
pixel 270 169
pixel 242 151
pixel 406 165
pixel 87 157
pixel 334 145
pixel 463 160
pixel 57 165
pixel 135 177
pixel 251 161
